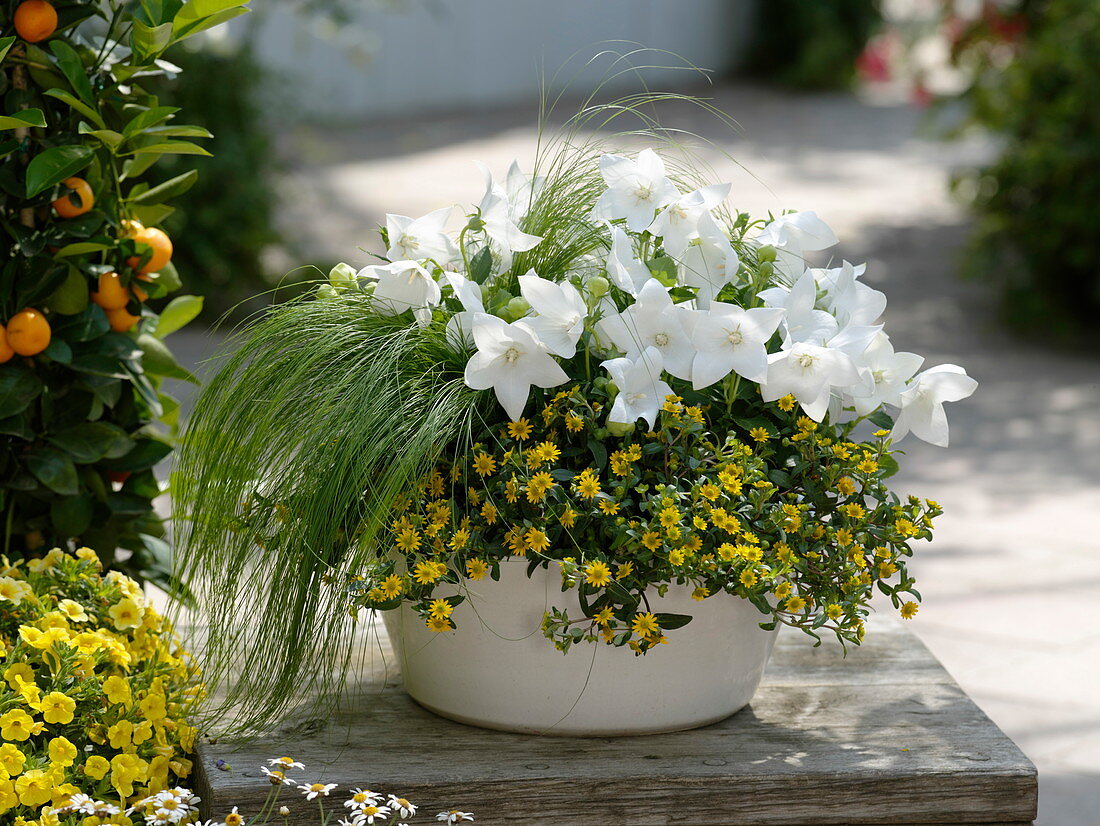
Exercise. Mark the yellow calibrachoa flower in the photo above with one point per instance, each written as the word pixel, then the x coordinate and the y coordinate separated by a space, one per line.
pixel 62 752
pixel 11 759
pixel 126 613
pixel 16 725
pixel 117 690
pixel 57 707
pixel 96 767
pixel 34 787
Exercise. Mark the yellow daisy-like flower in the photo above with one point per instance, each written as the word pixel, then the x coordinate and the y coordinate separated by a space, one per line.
pixel 845 486
pixel 651 540
pixel 609 507
pixel 392 586
pixel 537 540
pixel 646 625
pixel 782 591
pixel 538 486
pixel 624 569
pixel 476 568
pixel 574 423
pixel 484 464
pixel 587 484
pixel 794 604
pixel 760 434
pixel 597 574
pixel 408 540
pixel 787 403
pixel 748 577
pixel 568 518
pixel 440 608
pixel 459 539
pixel 548 451
pixel 909 610
pixel 439 624
pixel 520 429
pixel 427 572
pixel 700 593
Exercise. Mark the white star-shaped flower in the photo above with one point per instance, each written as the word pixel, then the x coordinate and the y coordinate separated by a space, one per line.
pixel 653 321
pixel 678 223
pixel 635 189
pixel 401 286
pixel 641 389
pixel 731 338
pixel 418 239
pixel 922 402
pixel 888 371
pixel 510 359
pixel 559 313
pixel 809 373
pixel 709 263
pixel 501 216
pixel 625 271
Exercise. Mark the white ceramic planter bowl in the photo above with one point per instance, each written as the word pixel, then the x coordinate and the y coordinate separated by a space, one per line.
pixel 498 671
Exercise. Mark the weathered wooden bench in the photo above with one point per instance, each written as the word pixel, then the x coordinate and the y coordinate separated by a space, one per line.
pixel 882 736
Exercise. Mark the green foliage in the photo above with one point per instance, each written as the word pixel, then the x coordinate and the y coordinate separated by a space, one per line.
pixel 809 44
pixel 1037 205
pixel 79 419
pixel 226 222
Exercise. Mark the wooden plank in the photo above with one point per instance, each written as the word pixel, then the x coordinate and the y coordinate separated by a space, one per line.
pixel 881 736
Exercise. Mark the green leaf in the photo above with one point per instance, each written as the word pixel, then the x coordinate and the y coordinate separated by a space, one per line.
pixel 71 515
pixel 150 117
pixel 181 131
pixel 169 148
pixel 79 105
pixel 149 41
pixel 5 44
pixel 670 622
pixel 28 117
pixel 108 137
pixel 180 312
pixel 145 454
pixel 159 361
pixel 81 248
pixel 73 68
pixel 53 469
pixel 171 188
pixel 199 15
pixel 882 419
pixel 89 324
pixel 55 165
pixel 19 386
pixel 91 441
pixel 152 214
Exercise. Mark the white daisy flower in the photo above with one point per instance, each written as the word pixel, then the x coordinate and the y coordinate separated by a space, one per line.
pixel 285 763
pixel 453 816
pixel 315 790
pixel 400 805
pixel 362 797
pixel 276 777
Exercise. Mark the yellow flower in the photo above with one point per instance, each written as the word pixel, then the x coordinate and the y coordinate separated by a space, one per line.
pixel 408 540
pixel 126 613
pixel 96 767
pixel 845 485
pixel 73 610
pixel 587 484
pixel 608 507
pixel 624 569
pixel 782 591
pixel 484 464
pixel 88 555
pixel 538 485
pixel 121 734
pixel 834 611
pixel 568 518
pixel 748 578
pixel 489 513
pixel 16 725
pixel 787 403
pixel 909 610
pixel 794 604
pixel 700 593
pixel 126 769
pixel 573 422
pixel 537 540
pixel 760 434
pixel 57 708
pixel 547 451
pixel 868 466
pixel 427 572
pixel 652 540
pixel 14 590
pixel 117 690
pixel 476 568
pixel 17 673
pixel 519 430
pixel 604 616
pixel 597 574
pixel 440 608
pixel 62 752
pixel 392 586
pixel 645 625
pixel 11 759
pixel 676 557
pixel 34 788
pixel 439 624
pixel 459 539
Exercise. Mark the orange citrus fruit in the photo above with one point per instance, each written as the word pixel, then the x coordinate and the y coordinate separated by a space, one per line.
pixel 5 349
pixel 65 206
pixel 139 292
pixel 35 20
pixel 121 320
pixel 28 332
pixel 111 294
pixel 161 245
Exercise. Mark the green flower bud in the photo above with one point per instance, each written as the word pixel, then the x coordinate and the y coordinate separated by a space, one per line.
pixel 326 291
pixel 611 388
pixel 766 253
pixel 766 270
pixel 597 286
pixel 620 428
pixel 342 275
pixel 517 308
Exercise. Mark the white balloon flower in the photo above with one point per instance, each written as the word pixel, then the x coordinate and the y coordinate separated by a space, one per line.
pixel 641 389
pixel 731 338
pixel 401 286
pixel 809 373
pixel 635 189
pixel 560 313
pixel 418 239
pixel 678 223
pixel 626 272
pixel 510 360
pixel 922 403
pixel 653 321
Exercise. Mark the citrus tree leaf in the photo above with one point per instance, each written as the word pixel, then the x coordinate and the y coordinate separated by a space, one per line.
pixel 19 386
pixel 179 312
pixel 53 469
pixel 28 117
pixel 55 165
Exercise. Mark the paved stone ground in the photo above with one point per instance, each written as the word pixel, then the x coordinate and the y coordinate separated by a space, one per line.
pixel 1013 577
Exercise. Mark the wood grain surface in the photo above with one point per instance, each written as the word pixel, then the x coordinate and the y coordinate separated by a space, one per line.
pixel 881 736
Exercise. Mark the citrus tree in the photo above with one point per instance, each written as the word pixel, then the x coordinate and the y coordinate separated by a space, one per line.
pixel 85 272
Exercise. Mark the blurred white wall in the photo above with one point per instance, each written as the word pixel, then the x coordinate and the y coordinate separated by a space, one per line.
pixel 418 56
